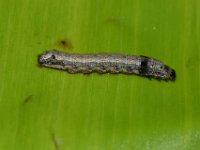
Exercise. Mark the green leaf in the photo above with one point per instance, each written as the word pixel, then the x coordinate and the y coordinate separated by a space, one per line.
pixel 46 109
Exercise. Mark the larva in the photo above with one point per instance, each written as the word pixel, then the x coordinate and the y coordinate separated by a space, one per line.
pixel 107 63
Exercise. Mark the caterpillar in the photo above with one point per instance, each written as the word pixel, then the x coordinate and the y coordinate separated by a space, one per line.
pixel 107 63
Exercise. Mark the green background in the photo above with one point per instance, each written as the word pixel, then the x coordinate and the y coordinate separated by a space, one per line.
pixel 46 109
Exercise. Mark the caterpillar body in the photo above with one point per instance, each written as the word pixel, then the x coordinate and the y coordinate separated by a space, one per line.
pixel 107 63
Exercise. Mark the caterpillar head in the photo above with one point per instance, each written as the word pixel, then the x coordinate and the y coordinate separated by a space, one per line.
pixel 49 58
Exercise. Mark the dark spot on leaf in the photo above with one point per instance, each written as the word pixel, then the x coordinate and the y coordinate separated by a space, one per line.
pixel 113 20
pixel 65 44
pixel 27 99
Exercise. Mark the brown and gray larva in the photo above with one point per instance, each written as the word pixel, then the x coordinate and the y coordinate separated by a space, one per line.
pixel 106 63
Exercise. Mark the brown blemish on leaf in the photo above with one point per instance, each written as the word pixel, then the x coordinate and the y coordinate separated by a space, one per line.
pixel 64 44
pixel 113 19
pixel 27 99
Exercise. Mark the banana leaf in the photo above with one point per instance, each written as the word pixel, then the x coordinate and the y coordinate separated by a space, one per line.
pixel 46 109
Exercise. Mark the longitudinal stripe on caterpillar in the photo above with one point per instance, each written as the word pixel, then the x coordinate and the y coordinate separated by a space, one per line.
pixel 107 63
